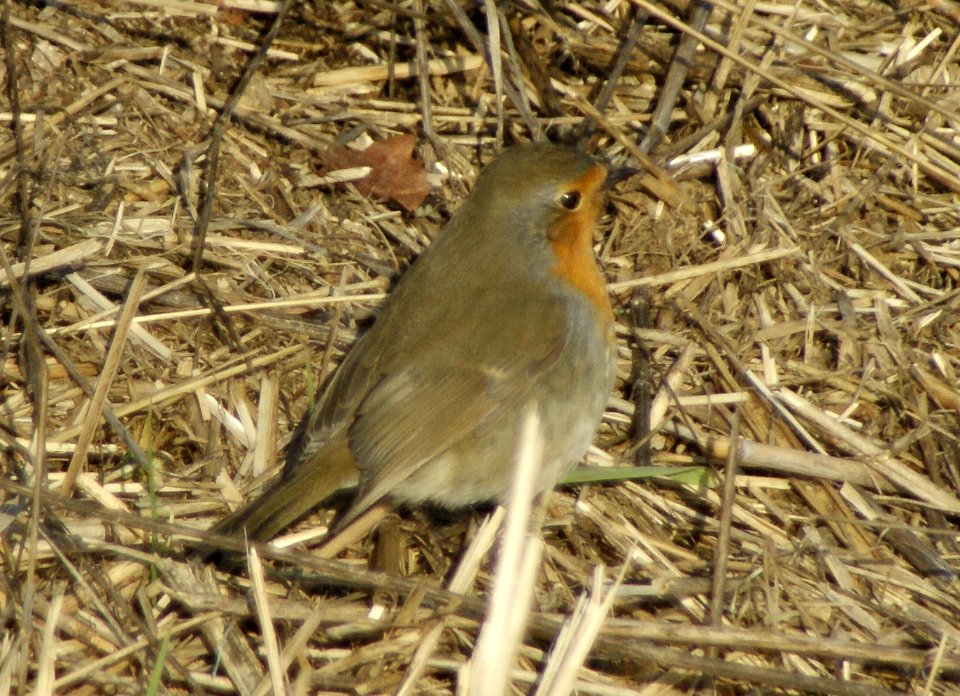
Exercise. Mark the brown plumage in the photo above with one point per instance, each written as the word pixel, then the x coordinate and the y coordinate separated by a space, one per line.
pixel 506 308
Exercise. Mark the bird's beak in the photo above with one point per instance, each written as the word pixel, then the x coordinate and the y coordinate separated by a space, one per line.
pixel 618 174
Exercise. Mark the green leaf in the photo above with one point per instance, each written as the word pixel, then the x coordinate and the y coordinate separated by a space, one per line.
pixel 692 475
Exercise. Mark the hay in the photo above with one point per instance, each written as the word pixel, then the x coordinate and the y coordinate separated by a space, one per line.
pixel 786 275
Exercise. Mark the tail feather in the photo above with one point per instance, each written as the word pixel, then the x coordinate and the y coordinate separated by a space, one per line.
pixel 286 500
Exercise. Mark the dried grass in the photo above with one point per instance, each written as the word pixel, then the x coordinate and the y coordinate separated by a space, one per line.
pixel 787 289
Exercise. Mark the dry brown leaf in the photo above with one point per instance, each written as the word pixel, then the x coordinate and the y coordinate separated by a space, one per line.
pixel 394 173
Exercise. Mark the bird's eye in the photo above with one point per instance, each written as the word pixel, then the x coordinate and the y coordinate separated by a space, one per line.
pixel 570 200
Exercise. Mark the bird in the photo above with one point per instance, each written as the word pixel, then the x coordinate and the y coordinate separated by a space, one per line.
pixel 505 310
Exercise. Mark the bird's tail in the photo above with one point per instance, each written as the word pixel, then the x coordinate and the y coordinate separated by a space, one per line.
pixel 331 470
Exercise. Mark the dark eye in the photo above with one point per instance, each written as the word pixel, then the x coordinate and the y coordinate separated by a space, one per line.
pixel 570 200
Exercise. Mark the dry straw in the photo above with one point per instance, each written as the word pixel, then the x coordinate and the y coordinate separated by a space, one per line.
pixel 786 277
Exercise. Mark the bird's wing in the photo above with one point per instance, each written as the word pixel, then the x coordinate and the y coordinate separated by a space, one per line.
pixel 424 407
pixel 334 410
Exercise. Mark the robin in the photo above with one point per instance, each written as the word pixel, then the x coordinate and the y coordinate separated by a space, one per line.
pixel 507 308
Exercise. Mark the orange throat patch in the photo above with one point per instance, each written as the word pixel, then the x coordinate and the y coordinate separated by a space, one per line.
pixel 571 239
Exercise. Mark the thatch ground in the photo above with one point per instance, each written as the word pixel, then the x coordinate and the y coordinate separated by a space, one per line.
pixel 788 279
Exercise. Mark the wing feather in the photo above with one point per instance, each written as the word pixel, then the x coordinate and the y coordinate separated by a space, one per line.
pixel 424 407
